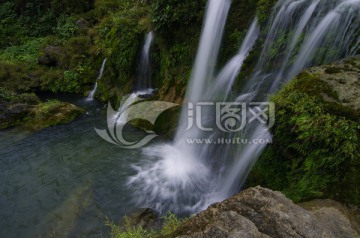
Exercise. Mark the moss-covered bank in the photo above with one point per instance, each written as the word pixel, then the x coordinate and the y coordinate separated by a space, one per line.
pixel 28 112
pixel 316 145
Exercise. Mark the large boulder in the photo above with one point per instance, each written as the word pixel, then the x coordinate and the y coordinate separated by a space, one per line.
pixel 260 212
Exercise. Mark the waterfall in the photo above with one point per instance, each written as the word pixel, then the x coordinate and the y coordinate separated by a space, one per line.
pixel 144 69
pixel 122 116
pixel 92 93
pixel 187 177
pixel 143 84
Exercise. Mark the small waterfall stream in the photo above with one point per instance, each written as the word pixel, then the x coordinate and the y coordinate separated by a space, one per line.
pixel 144 69
pixel 143 83
pixel 186 177
pixel 92 93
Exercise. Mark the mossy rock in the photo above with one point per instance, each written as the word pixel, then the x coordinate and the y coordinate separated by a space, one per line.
pixel 316 137
pixel 26 110
pixel 51 113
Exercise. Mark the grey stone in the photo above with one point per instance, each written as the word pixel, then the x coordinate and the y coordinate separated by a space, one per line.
pixel 260 212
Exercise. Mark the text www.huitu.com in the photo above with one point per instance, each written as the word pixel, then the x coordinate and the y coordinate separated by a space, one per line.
pixel 228 141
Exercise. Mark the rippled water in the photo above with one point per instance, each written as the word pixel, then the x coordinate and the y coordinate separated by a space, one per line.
pixel 63 181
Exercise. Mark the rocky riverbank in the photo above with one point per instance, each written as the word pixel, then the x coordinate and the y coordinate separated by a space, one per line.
pixel 28 111
pixel 261 213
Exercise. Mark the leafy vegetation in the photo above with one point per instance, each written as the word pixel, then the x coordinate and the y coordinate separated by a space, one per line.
pixel 69 40
pixel 316 145
pixel 170 223
pixel 26 53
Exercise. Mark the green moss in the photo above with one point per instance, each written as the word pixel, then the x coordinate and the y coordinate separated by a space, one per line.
pixel 264 7
pixel 312 85
pixel 51 113
pixel 314 147
pixel 120 36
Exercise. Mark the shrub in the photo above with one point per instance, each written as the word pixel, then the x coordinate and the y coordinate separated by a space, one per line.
pixel 28 53
pixel 66 27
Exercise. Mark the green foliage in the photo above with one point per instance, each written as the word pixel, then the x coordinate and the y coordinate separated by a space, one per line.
pixel 128 231
pixel 10 30
pixel 71 81
pixel 315 146
pixel 36 18
pixel 66 27
pixel 104 7
pixel 44 108
pixel 25 98
pixel 7 95
pixel 171 223
pixel 56 80
pixel 28 53
pixel 120 37
pixel 170 15
pixel 264 8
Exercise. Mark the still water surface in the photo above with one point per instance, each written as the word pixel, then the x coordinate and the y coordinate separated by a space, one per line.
pixel 64 181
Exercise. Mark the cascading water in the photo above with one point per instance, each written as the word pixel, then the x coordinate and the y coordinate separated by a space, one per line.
pixel 127 101
pixel 144 70
pixel 185 177
pixel 143 84
pixel 92 93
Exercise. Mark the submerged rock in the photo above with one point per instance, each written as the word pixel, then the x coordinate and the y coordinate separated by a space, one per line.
pixel 260 212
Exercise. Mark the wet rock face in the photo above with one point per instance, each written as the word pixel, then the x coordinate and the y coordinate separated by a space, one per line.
pixel 260 212
pixel 344 78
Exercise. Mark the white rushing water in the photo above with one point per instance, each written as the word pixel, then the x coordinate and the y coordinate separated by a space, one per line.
pixel 144 69
pixel 122 116
pixel 185 177
pixel 92 93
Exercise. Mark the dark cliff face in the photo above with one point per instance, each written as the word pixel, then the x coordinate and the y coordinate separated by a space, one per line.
pixel 316 151
pixel 259 212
